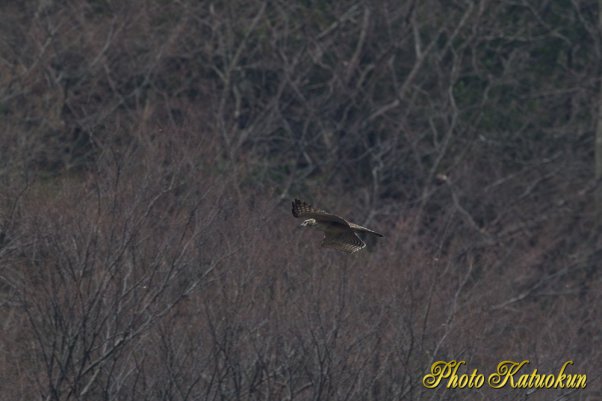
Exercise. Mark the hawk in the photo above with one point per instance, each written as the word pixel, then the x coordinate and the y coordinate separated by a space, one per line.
pixel 338 232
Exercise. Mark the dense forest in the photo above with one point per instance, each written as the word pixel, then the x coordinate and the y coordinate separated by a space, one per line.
pixel 150 150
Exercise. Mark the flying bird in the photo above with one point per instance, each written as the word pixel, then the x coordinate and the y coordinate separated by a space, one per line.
pixel 339 233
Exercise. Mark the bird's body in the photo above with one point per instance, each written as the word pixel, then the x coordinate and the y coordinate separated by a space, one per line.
pixel 338 232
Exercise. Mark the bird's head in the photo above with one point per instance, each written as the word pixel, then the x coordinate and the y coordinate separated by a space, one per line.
pixel 308 223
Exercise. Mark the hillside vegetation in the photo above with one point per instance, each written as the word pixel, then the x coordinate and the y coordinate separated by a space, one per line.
pixel 149 151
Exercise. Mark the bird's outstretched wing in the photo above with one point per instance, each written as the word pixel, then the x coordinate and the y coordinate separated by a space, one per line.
pixel 305 210
pixel 344 240
pixel 361 229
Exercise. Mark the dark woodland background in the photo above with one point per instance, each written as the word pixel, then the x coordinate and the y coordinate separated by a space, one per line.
pixel 149 151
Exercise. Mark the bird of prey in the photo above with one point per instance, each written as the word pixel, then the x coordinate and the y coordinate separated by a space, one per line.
pixel 338 232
